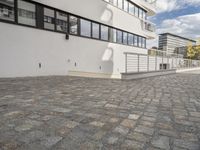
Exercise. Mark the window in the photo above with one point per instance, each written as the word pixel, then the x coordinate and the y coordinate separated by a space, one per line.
pixel 26 13
pixel 113 35
pixel 131 8
pixel 135 40
pixel 49 19
pixel 7 10
pixel 140 41
pixel 136 11
pixel 61 22
pixel 120 4
pixel 119 36
pixel 130 39
pixel 104 33
pixel 125 38
pixel 85 27
pixel 140 13
pixel 73 24
pixel 95 30
pixel 144 15
pixel 126 5
pixel 143 43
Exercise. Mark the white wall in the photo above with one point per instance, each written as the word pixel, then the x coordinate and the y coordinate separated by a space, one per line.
pixel 23 48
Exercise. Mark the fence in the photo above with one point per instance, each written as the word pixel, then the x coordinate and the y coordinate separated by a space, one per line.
pixel 155 62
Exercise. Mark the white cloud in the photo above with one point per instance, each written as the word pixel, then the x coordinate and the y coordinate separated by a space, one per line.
pixel 170 5
pixel 187 26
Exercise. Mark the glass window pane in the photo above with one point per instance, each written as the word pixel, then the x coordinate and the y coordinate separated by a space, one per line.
pixel 136 11
pixel 95 30
pixel 120 4
pixel 7 10
pixel 119 36
pixel 49 19
pixel 85 27
pixel 26 13
pixel 139 41
pixel 61 22
pixel 135 40
pixel 130 39
pixel 104 32
pixel 140 13
pixel 131 8
pixel 126 5
pixel 113 35
pixel 73 23
pixel 125 38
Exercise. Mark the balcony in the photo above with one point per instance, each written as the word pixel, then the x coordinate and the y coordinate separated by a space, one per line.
pixel 149 29
pixel 149 5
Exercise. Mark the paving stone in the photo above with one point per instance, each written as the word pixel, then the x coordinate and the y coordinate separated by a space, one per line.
pixel 161 142
pixel 50 141
pixel 83 113
pixel 128 123
pixel 133 116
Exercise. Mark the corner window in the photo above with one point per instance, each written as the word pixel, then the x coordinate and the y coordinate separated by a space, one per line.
pixel 61 22
pixel 125 38
pixel 119 36
pixel 73 24
pixel 7 10
pixel 95 30
pixel 130 39
pixel 140 13
pixel 85 28
pixel 49 19
pixel 26 13
pixel 104 33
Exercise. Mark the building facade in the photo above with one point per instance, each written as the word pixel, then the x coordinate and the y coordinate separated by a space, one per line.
pixel 72 37
pixel 170 42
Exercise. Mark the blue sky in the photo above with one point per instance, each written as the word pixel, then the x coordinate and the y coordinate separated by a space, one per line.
pixel 181 17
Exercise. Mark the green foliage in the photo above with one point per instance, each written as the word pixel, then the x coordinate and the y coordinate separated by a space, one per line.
pixel 193 52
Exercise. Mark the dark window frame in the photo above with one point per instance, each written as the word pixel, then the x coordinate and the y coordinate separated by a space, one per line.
pixel 69 14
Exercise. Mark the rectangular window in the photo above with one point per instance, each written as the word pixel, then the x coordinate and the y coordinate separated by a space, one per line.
pixel 119 36
pixel 125 38
pixel 85 27
pixel 104 33
pixel 144 15
pixel 136 11
pixel 73 24
pixel 61 22
pixel 120 4
pixel 140 13
pixel 143 43
pixel 26 13
pixel 130 39
pixel 49 19
pixel 131 8
pixel 7 10
pixel 135 40
pixel 126 5
pixel 114 2
pixel 95 30
pixel 140 41
pixel 113 35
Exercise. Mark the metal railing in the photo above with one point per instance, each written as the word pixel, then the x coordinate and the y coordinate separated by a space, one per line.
pixel 149 26
pixel 145 63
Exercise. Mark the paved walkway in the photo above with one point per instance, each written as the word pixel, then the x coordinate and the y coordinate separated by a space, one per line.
pixel 69 113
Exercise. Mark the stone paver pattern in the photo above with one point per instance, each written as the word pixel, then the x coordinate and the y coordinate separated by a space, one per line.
pixel 72 113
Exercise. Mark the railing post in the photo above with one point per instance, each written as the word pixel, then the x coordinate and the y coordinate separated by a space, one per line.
pixel 162 60
pixel 148 63
pixel 156 63
pixel 126 63
pixel 138 63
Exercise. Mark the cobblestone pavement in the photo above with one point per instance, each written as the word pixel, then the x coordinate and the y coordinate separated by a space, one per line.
pixel 69 113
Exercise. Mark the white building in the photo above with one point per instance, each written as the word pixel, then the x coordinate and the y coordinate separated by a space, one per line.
pixel 72 37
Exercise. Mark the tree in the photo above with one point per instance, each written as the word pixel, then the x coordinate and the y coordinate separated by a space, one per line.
pixel 191 52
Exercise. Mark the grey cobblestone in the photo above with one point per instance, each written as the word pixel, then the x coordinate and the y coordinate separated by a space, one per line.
pixel 81 113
